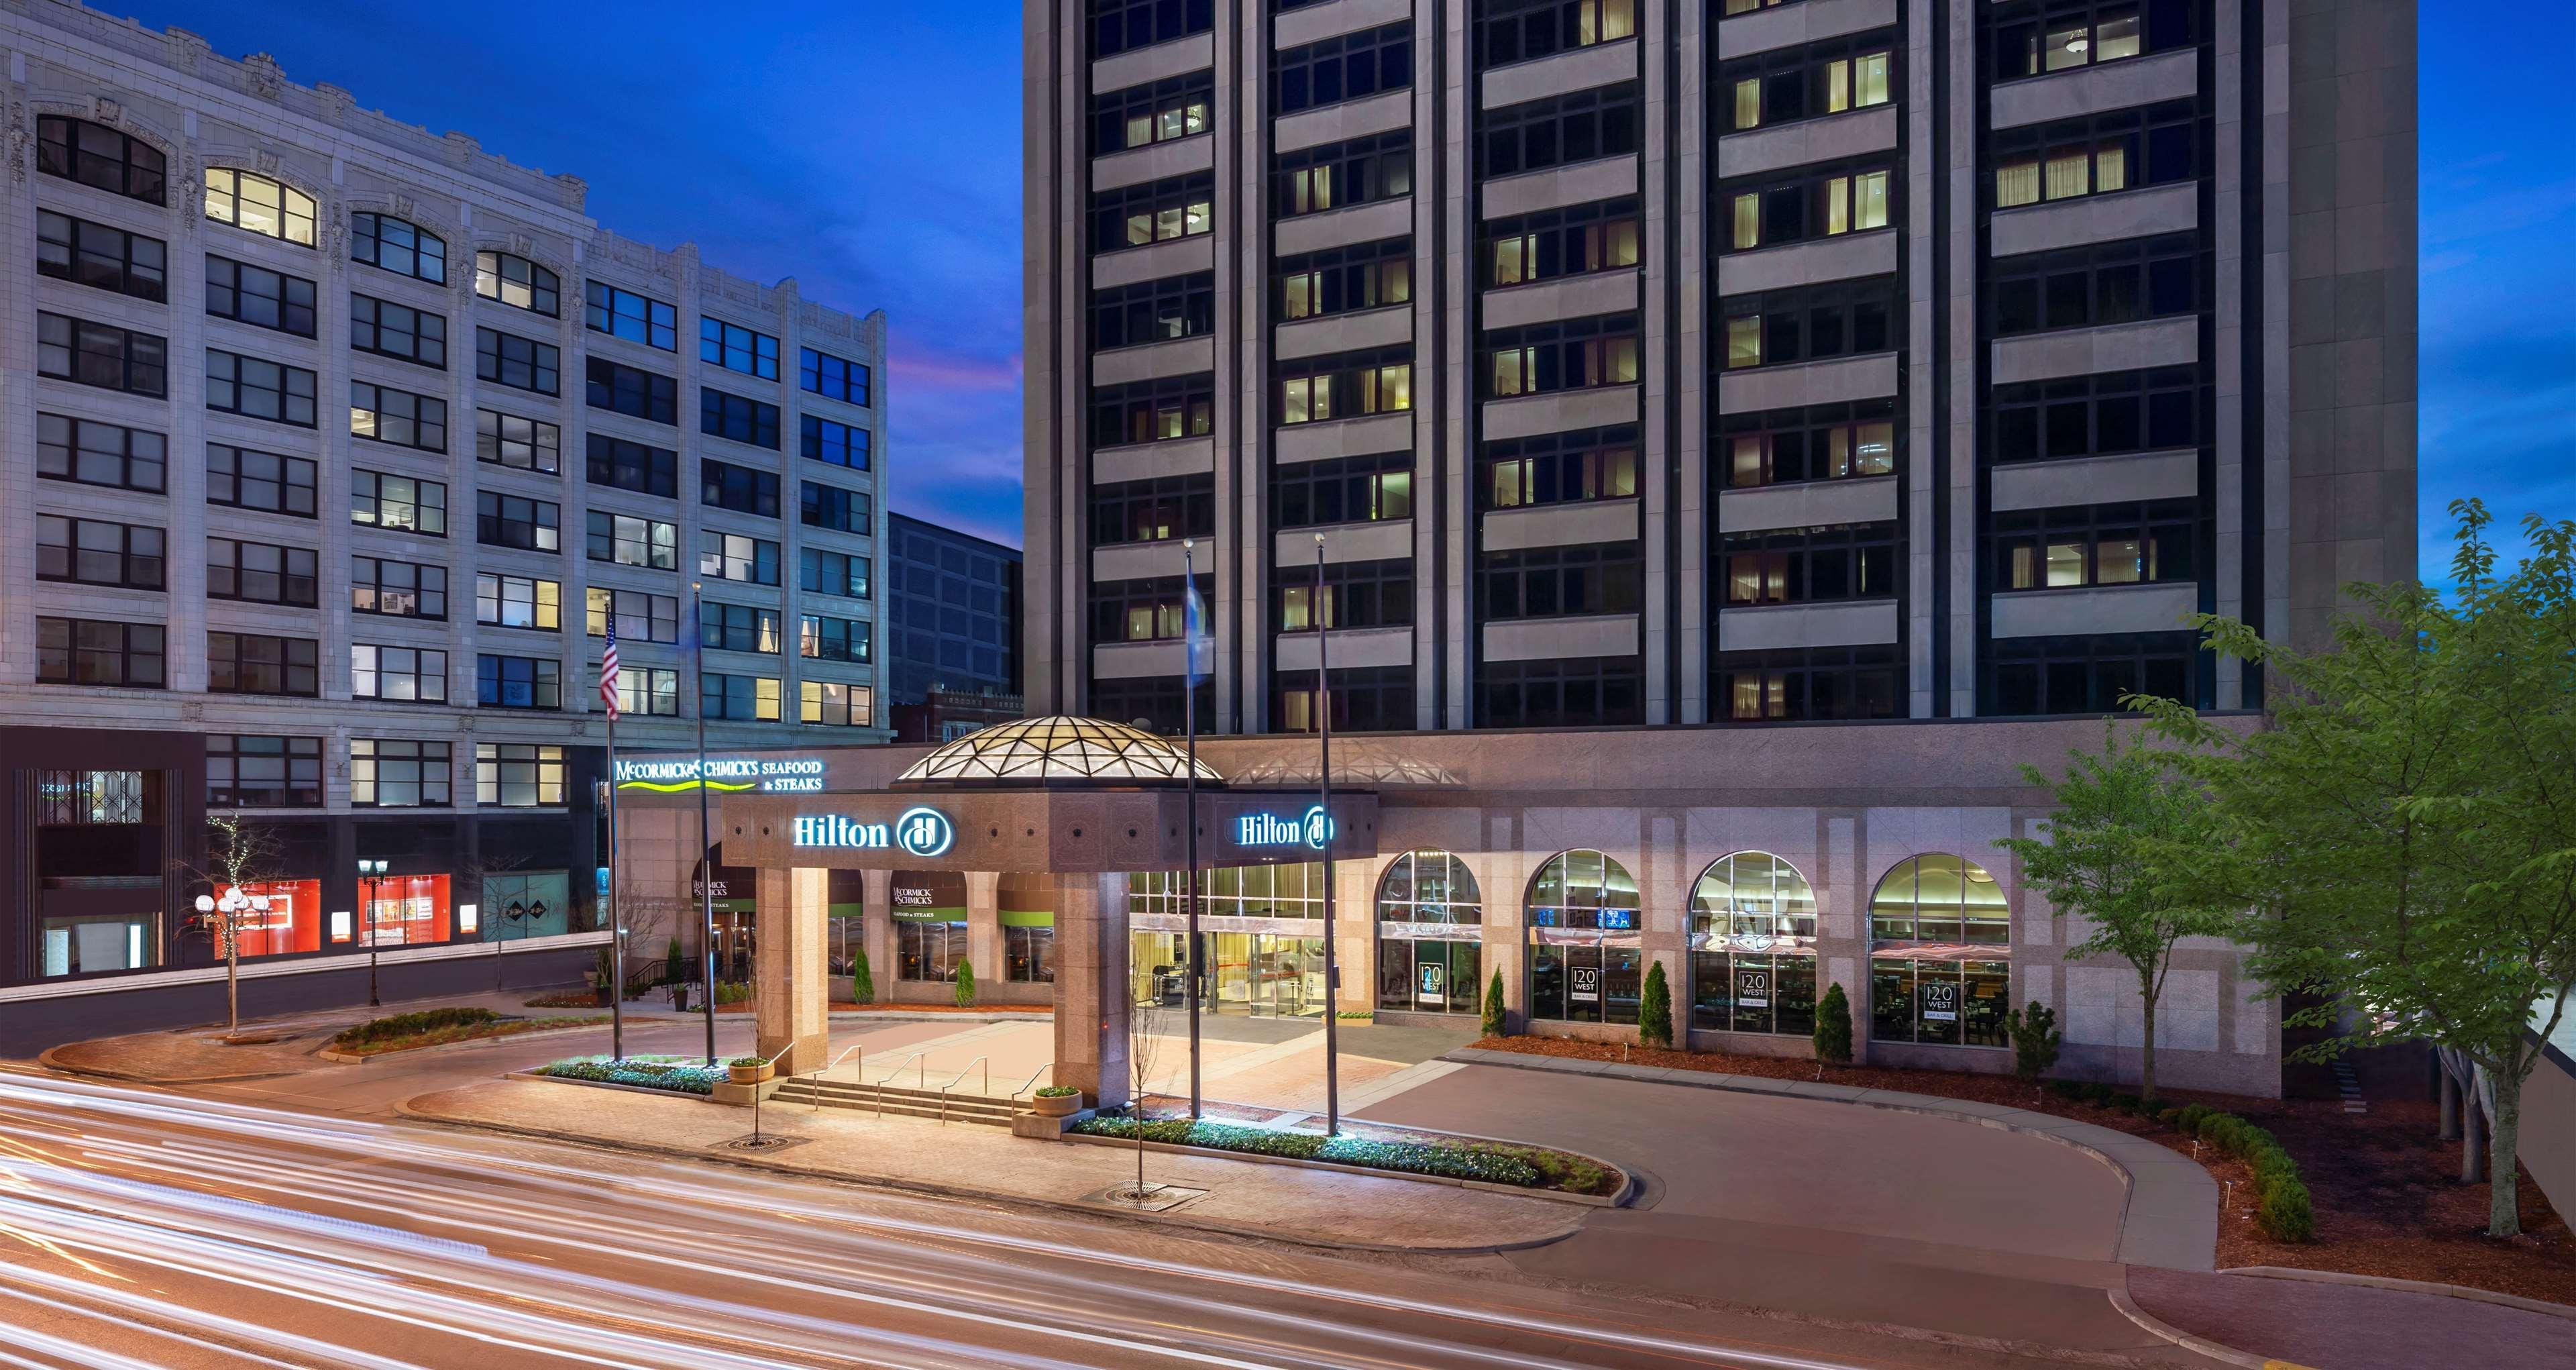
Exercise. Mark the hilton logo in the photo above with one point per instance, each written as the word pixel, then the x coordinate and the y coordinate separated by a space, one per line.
pixel 1270 830
pixel 832 830
pixel 924 832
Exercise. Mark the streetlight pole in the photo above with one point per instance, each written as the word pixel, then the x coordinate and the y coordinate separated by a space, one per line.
pixel 370 870
pixel 1324 790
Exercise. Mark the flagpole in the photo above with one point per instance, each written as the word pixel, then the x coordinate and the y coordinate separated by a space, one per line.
pixel 1324 781
pixel 1190 806
pixel 616 928
pixel 706 829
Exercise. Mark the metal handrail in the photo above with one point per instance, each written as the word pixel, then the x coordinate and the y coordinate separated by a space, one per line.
pixel 1031 1082
pixel 814 1081
pixel 986 1084
pixel 883 1084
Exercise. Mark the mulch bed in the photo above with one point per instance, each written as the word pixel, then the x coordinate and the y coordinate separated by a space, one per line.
pixel 468 1032
pixel 745 1007
pixel 2388 1197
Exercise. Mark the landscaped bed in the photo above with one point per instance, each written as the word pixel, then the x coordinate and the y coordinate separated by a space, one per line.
pixel 1382 1148
pixel 2385 1188
pixel 672 1074
pixel 440 1026
pixel 845 1006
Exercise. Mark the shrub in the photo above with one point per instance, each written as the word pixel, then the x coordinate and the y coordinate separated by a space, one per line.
pixel 1834 1027
pixel 674 969
pixel 1655 1011
pixel 2097 1093
pixel 965 983
pixel 2069 1090
pixel 640 1072
pixel 863 985
pixel 2128 1103
pixel 1492 1164
pixel 732 992
pixel 1056 1091
pixel 1493 1023
pixel 2284 1213
pixel 2035 1038
pixel 2282 1205
pixel 748 1061
pixel 412 1024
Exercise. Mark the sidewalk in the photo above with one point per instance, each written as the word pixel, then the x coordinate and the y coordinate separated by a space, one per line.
pixel 1319 1208
pixel 2335 1326
pixel 285 1045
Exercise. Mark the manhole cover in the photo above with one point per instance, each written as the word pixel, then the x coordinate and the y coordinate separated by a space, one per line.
pixel 1155 1198
pixel 253 1039
pixel 763 1144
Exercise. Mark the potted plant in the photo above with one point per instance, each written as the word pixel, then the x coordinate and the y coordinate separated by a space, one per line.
pixel 1056 1101
pixel 749 1070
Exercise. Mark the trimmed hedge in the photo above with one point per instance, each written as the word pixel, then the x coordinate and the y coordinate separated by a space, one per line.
pixel 413 1024
pixel 678 1077
pixel 1493 1165
pixel 2282 1206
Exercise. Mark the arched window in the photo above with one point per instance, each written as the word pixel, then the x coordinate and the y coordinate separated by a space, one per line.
pixel 1940 967
pixel 96 155
pixel 1429 947
pixel 1027 907
pixel 1585 964
pixel 399 246
pixel 516 282
pixel 257 204
pixel 1753 947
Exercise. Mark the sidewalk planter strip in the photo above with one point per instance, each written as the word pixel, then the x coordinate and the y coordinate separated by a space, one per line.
pixel 1501 1165
pixel 671 1077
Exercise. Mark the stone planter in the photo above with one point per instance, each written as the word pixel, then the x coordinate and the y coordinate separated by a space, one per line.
pixel 1055 1105
pixel 750 1075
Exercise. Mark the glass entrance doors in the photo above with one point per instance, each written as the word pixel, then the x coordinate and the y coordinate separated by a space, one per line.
pixel 1261 975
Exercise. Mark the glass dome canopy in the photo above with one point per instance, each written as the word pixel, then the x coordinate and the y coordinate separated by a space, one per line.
pixel 1062 751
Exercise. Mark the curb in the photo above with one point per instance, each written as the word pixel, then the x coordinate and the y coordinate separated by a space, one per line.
pixel 2154 1326
pixel 47 1059
pixel 403 1108
pixel 1627 1182
pixel 2390 1282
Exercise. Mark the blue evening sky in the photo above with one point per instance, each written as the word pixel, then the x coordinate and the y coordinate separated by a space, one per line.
pixel 872 151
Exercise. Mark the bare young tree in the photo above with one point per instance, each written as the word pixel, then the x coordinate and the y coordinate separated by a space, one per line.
pixel 1144 1051
pixel 239 852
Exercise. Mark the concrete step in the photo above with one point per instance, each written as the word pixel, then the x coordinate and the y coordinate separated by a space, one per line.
pixel 903 1103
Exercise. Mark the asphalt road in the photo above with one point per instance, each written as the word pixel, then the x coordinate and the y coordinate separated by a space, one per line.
pixel 144 1227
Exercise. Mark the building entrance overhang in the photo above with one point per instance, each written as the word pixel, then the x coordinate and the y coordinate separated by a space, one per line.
pixel 1042 831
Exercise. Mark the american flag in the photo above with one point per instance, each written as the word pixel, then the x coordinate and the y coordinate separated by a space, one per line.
pixel 608 672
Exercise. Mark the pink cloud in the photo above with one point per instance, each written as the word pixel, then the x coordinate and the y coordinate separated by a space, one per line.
pixel 948 370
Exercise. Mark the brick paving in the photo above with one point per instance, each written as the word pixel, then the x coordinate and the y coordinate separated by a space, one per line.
pixel 2351 1327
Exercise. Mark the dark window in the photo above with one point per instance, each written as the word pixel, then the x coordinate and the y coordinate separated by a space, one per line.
pixel 95 453
pixel 90 651
pixel 260 389
pixel 2106 283
pixel 1146 610
pixel 1347 66
pixel 2083 416
pixel 1808 202
pixel 1559 242
pixel 625 390
pixel 738 627
pixel 1807 323
pixel 1156 112
pixel 832 377
pixel 2102 544
pixel 2090 675
pixel 520 363
pixel 830 506
pixel 96 155
pixel 1575 354
pixel 517 282
pixel 1797 683
pixel 520 444
pixel 743 698
pixel 633 466
pixel 736 348
pixel 1156 703
pixel 103 355
pixel 737 419
pixel 2033 39
pixel 1355 594
pixel 832 639
pixel 832 573
pixel 1807 565
pixel 253 664
pixel 1806 82
pixel 96 552
pixel 106 257
pixel 1560 129
pixel 260 297
pixel 2120 150
pixel 1151 411
pixel 1510 31
pixel 518 682
pixel 397 589
pixel 398 246
pixel 1559 468
pixel 400 417
pixel 1546 582
pixel 1124 25
pixel 739 488
pixel 1154 212
pixel 1366 699
pixel 1368 276
pixel 1336 175
pixel 398 503
pixel 1347 385
pixel 1153 510
pixel 1344 490
pixel 1818 442
pixel 1560 694
pixel 636 318
pixel 1153 311
pixel 515 521
pixel 260 572
pixel 397 330
pixel 244 771
pixel 245 479
pixel 840 444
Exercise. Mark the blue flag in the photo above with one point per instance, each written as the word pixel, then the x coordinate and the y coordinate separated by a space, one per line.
pixel 1194 631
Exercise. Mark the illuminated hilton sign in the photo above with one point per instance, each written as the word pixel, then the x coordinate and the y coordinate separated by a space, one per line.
pixel 1311 829
pixel 920 831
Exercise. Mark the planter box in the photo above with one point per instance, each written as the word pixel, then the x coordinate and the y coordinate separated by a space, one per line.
pixel 1055 1105
pixel 750 1075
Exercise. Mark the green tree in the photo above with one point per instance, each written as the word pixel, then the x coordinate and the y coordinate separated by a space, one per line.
pixel 1494 1014
pixel 863 985
pixel 2407 824
pixel 2129 848
pixel 674 968
pixel 965 983
pixel 1834 1027
pixel 1655 1012
pixel 2034 1034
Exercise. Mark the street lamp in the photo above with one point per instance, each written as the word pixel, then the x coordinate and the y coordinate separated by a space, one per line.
pixel 224 916
pixel 370 870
